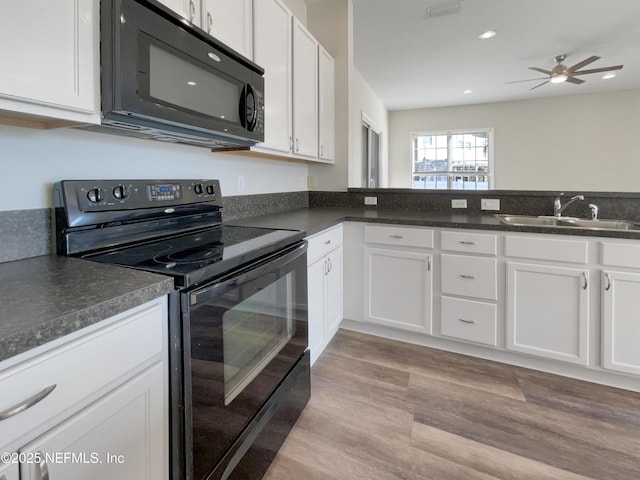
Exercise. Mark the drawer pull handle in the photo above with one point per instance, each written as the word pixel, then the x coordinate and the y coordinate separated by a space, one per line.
pixel 397 236
pixel 586 282
pixel 327 242
pixel 44 468
pixel 463 242
pixel 470 322
pixel 468 277
pixel 608 279
pixel 28 403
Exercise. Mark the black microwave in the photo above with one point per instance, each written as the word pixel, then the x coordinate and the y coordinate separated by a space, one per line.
pixel 165 79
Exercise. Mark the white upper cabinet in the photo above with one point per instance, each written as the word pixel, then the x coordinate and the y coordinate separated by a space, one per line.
pixel 189 9
pixel 231 22
pixel 289 54
pixel 305 92
pixel 50 59
pixel 326 105
pixel 272 51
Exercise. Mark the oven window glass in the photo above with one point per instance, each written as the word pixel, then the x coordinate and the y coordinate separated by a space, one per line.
pixel 178 82
pixel 255 330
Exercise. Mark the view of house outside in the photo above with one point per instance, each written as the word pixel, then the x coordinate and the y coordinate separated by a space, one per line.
pixel 452 160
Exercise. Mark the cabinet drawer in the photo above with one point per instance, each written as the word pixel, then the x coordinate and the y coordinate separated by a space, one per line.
pixel 78 370
pixel 400 236
pixel 469 242
pixel 469 320
pixel 540 248
pixel 621 254
pixel 469 276
pixel 322 243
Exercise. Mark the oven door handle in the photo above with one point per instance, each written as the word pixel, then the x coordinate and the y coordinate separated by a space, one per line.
pixel 246 275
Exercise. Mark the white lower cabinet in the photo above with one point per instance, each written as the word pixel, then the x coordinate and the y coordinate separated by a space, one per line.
pixel 620 324
pixel 398 288
pixel 94 406
pixel 10 471
pixel 548 311
pixel 119 436
pixel 325 288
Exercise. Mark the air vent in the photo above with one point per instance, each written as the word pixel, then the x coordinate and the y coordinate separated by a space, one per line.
pixel 449 8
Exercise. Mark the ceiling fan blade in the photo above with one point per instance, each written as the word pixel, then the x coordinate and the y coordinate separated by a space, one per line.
pixel 583 63
pixel 539 85
pixel 577 81
pixel 599 70
pixel 541 70
pixel 528 80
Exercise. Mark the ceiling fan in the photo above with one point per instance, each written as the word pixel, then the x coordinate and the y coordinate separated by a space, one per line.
pixel 560 73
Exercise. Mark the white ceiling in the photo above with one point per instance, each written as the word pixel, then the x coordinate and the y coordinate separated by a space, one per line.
pixel 411 61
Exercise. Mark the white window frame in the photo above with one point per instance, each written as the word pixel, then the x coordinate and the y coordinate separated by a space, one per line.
pixel 490 174
pixel 368 122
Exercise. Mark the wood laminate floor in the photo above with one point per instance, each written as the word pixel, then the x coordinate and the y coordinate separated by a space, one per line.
pixel 385 410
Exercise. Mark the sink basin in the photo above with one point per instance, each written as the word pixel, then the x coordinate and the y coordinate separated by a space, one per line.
pixel 600 224
pixel 528 220
pixel 570 222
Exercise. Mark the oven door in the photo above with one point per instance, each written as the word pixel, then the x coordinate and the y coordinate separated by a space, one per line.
pixel 246 332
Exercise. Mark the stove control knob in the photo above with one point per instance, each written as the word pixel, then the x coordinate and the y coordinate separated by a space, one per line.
pixel 210 189
pixel 198 188
pixel 120 192
pixel 95 195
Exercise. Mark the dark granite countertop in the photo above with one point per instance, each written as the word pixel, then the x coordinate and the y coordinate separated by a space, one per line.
pixel 314 220
pixel 47 297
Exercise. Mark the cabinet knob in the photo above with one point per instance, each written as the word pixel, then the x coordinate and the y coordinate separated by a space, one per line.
pixel 44 468
pixel 463 242
pixel 608 279
pixel 192 11
pixel 468 277
pixel 209 22
pixel 297 144
pixel 586 281
pixel 469 322
pixel 397 236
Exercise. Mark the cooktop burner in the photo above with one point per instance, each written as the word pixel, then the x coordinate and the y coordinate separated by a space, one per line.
pixel 202 255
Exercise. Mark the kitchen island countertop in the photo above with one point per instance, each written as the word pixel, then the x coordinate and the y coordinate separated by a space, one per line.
pixel 47 297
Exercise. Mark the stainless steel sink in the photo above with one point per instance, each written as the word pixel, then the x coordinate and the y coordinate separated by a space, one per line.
pixel 528 220
pixel 601 224
pixel 568 222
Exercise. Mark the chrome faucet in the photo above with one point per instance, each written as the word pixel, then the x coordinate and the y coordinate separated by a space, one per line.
pixel 558 208
pixel 594 211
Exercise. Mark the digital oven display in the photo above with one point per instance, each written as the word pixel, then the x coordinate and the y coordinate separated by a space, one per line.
pixel 165 191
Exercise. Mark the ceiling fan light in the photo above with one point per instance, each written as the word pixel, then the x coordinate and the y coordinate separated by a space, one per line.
pixel 559 78
pixel 609 75
pixel 487 34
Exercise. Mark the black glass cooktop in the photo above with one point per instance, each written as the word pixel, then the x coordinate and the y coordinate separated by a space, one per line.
pixel 199 256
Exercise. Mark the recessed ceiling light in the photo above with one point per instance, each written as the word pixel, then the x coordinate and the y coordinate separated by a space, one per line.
pixel 609 75
pixel 191 83
pixel 466 92
pixel 487 34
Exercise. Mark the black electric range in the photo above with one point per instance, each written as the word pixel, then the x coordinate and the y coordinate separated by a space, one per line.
pixel 239 364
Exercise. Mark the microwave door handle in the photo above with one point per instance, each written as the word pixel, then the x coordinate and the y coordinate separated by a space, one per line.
pixel 219 288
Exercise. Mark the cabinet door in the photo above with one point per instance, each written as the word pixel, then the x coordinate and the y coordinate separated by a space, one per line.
pixel 10 471
pixel 272 51
pixel 326 105
pixel 231 22
pixel 50 56
pixel 333 292
pixel 189 9
pixel 620 325
pixel 398 289
pixel 305 92
pixel 316 305
pixel 548 311
pixel 123 435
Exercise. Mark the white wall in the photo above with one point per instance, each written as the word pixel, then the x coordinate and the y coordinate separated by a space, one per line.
pixel 363 100
pixel 298 8
pixel 32 160
pixel 579 142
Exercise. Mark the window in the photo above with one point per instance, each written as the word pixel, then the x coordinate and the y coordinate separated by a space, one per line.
pixel 459 160
pixel 370 154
